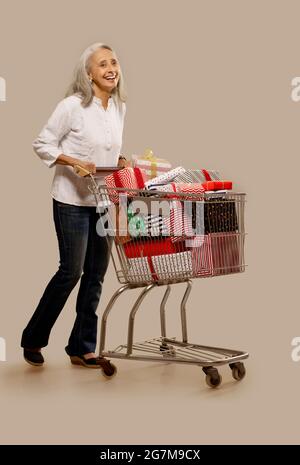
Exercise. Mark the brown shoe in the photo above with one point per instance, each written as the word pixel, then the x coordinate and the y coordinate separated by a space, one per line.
pixel 108 369
pixel 94 362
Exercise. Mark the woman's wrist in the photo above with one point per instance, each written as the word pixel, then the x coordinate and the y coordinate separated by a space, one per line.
pixel 66 160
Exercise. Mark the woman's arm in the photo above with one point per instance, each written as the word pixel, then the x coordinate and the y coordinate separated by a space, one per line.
pixel 66 160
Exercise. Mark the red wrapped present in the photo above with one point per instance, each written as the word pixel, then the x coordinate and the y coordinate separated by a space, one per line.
pixel 200 247
pixel 152 248
pixel 217 185
pixel 162 258
pixel 148 247
pixel 227 254
pixel 131 178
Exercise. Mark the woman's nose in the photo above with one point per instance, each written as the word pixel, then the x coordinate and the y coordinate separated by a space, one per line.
pixel 111 69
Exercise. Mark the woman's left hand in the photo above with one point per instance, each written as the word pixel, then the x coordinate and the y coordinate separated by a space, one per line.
pixel 123 163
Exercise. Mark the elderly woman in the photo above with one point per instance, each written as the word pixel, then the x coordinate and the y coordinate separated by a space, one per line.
pixel 85 129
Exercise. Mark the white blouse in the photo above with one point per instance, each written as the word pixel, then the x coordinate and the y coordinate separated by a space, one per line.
pixel 89 134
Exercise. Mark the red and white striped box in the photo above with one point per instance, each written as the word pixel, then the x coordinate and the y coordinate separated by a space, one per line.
pixel 131 178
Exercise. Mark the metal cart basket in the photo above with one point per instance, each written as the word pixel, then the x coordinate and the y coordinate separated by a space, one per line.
pixel 159 238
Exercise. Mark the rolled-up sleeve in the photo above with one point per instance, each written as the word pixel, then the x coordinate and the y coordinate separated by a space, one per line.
pixel 46 145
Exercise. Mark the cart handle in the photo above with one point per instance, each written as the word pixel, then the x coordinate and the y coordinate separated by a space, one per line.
pixel 81 171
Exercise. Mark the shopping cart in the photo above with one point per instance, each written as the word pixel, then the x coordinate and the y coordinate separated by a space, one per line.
pixel 153 247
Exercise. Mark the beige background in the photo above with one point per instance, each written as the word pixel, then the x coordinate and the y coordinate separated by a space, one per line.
pixel 209 85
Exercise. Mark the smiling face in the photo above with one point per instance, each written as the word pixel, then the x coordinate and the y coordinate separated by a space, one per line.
pixel 104 70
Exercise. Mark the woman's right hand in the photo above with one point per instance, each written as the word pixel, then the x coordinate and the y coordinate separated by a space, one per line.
pixel 67 160
pixel 87 165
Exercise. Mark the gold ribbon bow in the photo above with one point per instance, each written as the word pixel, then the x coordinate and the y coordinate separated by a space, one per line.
pixel 149 156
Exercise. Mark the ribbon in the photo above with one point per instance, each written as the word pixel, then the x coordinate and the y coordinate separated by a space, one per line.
pixel 206 175
pixel 149 156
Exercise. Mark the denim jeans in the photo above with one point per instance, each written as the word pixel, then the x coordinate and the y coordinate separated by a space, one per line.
pixel 84 256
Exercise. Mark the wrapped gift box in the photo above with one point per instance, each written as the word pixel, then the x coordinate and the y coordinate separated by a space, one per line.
pixel 214 214
pixel 181 187
pixel 179 222
pixel 154 252
pixel 133 225
pixel 138 270
pixel 164 178
pixel 155 226
pixel 131 178
pixel 201 251
pixel 152 165
pixel 197 176
pixel 227 253
pixel 217 185
pixel 148 247
pixel 172 266
pixel 220 215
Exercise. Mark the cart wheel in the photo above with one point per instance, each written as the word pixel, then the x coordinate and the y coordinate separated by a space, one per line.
pixel 165 347
pixel 213 378
pixel 238 371
pixel 109 370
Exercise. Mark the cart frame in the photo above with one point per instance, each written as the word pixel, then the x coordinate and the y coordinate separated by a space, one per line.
pixel 165 349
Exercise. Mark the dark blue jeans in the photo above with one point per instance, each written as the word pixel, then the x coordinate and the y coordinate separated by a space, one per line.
pixel 84 256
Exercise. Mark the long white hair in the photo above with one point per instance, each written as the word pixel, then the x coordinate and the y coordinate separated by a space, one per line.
pixel 81 84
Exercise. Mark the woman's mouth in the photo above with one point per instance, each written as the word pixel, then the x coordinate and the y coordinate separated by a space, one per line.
pixel 110 77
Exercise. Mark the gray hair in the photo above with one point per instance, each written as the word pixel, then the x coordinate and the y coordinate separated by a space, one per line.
pixel 81 84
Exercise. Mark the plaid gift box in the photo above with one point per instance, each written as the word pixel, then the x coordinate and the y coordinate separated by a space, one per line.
pixel 151 165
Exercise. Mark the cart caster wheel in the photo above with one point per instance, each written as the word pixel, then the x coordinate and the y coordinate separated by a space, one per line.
pixel 238 371
pixel 165 347
pixel 213 378
pixel 109 370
